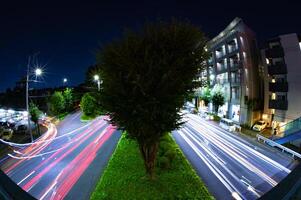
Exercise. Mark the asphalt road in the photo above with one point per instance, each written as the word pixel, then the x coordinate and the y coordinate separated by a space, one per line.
pixel 67 162
pixel 231 165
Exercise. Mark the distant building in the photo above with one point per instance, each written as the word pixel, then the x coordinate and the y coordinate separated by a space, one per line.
pixel 234 65
pixel 282 70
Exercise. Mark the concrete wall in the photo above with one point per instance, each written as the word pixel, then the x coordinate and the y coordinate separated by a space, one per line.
pixel 292 56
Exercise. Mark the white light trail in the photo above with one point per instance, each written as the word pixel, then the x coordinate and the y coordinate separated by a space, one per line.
pixel 26 177
pixel 236 140
pixel 53 151
pixel 43 141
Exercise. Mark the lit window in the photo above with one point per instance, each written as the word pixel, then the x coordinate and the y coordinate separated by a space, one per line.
pixel 273 80
pixel 242 41
pixel 245 55
pixel 267 61
pixel 300 45
pixel 273 96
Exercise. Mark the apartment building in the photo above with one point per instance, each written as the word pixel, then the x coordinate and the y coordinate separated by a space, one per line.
pixel 281 59
pixel 233 64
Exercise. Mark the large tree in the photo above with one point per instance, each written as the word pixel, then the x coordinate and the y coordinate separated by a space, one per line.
pixel 147 76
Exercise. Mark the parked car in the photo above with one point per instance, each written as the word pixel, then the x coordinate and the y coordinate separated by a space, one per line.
pixel 205 115
pixel 21 129
pixel 6 133
pixel 227 124
pixel 259 125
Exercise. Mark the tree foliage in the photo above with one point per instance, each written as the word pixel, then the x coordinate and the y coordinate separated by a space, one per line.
pixel 206 95
pixel 34 114
pixel 146 77
pixel 218 97
pixel 68 97
pixel 57 103
pixel 88 105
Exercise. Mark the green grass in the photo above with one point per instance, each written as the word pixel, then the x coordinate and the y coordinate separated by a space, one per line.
pixel 125 178
pixel 86 118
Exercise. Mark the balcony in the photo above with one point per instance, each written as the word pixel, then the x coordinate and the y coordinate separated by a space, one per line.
pixel 278 87
pixel 278 104
pixel 232 49
pixel 234 66
pixel 275 52
pixel 235 100
pixel 279 68
pixel 235 83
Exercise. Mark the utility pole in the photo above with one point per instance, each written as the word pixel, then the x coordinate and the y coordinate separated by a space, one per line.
pixel 27 100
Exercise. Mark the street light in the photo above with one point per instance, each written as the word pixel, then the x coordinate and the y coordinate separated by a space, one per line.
pixel 65 80
pixel 96 78
pixel 38 72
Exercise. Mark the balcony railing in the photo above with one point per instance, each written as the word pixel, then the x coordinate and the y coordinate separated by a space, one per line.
pixel 232 48
pixel 234 65
pixel 274 52
pixel 278 87
pixel 235 82
pixel 277 69
pixel 278 104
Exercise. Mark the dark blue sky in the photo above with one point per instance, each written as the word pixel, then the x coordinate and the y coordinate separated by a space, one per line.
pixel 67 34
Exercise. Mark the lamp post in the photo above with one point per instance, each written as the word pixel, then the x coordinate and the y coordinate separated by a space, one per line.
pixel 38 72
pixel 65 80
pixel 96 78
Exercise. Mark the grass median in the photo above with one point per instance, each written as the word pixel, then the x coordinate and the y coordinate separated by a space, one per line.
pixel 125 178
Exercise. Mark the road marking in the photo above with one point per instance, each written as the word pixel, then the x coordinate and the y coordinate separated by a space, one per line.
pixel 26 177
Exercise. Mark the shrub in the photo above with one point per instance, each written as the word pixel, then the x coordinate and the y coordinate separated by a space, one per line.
pixel 246 126
pixel 170 154
pixel 166 153
pixel 164 162
pixel 216 118
pixel 88 105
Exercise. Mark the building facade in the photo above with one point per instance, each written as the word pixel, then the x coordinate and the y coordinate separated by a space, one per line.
pixel 233 64
pixel 281 60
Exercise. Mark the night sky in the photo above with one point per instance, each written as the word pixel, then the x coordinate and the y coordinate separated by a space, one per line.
pixel 67 35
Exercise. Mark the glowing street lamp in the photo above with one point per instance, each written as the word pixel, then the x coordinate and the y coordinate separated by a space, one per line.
pixel 38 72
pixel 65 80
pixel 96 78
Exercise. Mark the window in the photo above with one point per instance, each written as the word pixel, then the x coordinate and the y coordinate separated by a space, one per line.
pixel 224 50
pixel 222 78
pixel 267 61
pixel 274 44
pixel 242 41
pixel 300 45
pixel 281 97
pixel 235 93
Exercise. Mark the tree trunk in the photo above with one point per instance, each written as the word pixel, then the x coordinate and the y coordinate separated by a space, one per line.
pixel 38 129
pixel 196 104
pixel 149 153
pixel 216 109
